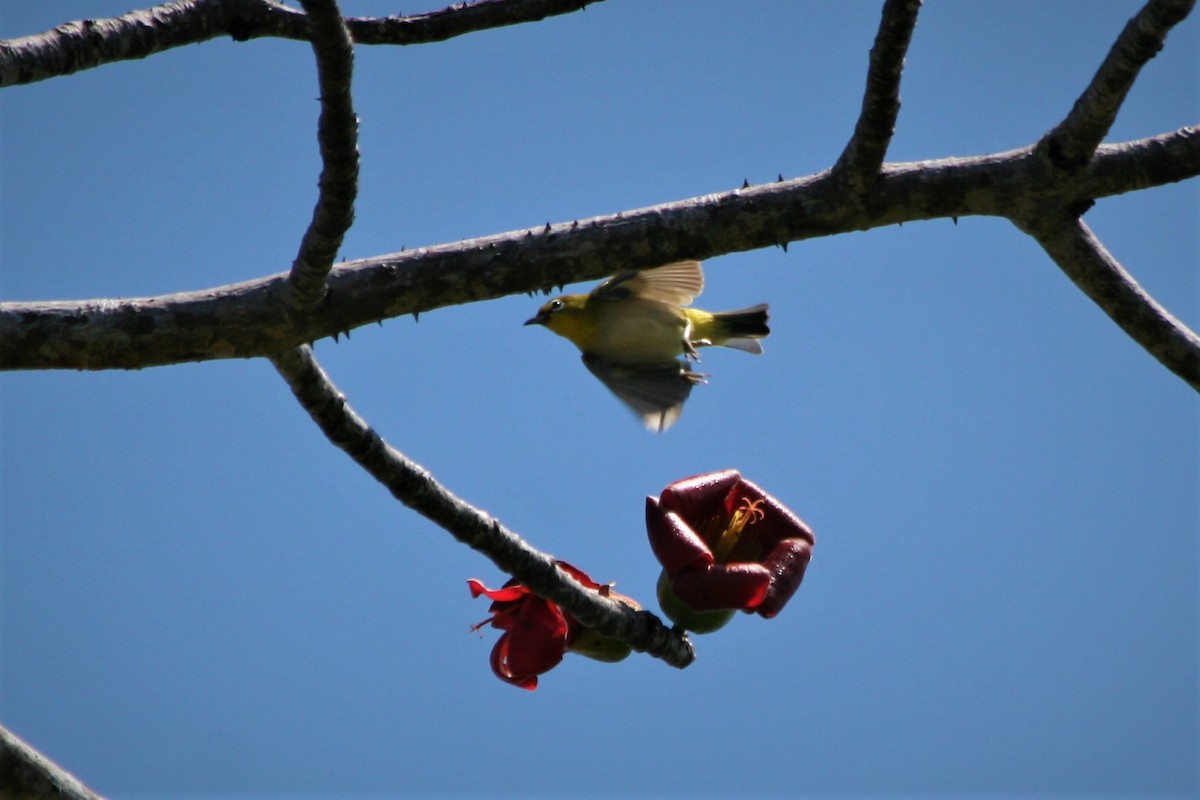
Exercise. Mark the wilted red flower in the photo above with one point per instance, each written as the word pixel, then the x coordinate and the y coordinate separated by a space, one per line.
pixel 725 544
pixel 537 633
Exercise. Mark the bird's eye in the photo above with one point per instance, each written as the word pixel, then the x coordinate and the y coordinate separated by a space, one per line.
pixel 554 305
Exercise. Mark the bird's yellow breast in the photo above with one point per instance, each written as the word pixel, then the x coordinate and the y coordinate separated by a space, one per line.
pixel 628 330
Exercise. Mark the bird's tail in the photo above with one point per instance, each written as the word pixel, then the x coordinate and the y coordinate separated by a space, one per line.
pixel 741 329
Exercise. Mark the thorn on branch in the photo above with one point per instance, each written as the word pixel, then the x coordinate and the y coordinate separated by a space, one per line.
pixel 1081 207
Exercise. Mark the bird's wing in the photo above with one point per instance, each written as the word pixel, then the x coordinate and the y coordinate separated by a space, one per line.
pixel 656 393
pixel 676 284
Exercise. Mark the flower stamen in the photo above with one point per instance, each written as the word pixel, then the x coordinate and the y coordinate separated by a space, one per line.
pixel 752 509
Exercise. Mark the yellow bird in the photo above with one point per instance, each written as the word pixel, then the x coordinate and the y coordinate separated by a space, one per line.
pixel 637 336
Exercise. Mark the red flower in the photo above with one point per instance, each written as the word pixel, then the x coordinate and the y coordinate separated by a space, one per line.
pixel 726 544
pixel 537 633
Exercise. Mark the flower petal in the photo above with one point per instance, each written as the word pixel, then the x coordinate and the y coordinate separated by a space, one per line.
pixel 530 656
pixel 675 545
pixel 534 642
pixel 700 497
pixel 777 523
pixel 537 631
pixel 500 667
pixel 718 586
pixel 504 595
pixel 786 563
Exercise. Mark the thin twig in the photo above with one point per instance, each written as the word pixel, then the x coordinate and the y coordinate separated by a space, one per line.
pixel 436 26
pixel 1071 143
pixel 26 773
pixel 337 134
pixel 1101 277
pixel 250 319
pixel 413 486
pixel 863 157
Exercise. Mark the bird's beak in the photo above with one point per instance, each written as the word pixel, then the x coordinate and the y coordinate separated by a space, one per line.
pixel 539 319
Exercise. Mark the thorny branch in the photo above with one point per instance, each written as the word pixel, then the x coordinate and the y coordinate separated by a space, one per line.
pixel 90 43
pixel 249 319
pixel 416 488
pixel 1057 179
pixel 337 133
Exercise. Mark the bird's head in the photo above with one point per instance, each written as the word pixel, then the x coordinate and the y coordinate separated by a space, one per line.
pixel 563 314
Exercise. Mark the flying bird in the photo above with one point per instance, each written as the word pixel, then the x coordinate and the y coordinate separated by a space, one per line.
pixel 639 337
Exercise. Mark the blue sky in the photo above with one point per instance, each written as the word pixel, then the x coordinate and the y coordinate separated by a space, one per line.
pixel 200 595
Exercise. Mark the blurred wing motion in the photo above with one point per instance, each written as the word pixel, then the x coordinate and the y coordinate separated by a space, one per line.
pixel 674 284
pixel 656 393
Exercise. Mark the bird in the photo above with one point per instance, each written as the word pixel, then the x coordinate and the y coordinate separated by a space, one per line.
pixel 638 336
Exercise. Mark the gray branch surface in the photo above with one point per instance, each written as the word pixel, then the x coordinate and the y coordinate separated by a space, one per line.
pixel 1101 277
pixel 1072 142
pixel 337 134
pixel 416 488
pixel 26 774
pixel 90 43
pixel 863 157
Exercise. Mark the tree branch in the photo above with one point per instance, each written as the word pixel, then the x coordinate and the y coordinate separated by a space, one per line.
pixel 862 159
pixel 337 133
pixel 1101 277
pixel 1144 163
pixel 416 488
pixel 1071 143
pixel 436 26
pixel 75 46
pixel 251 319
pixel 82 45
pixel 26 773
